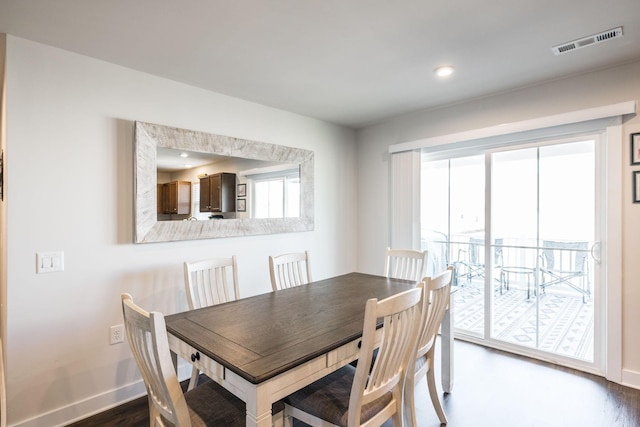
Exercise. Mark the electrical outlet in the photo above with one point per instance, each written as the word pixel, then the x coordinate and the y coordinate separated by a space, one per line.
pixel 116 334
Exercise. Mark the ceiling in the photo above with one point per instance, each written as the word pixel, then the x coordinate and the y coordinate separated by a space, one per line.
pixel 350 62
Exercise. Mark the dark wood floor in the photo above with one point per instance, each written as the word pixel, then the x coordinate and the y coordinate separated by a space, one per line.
pixel 492 388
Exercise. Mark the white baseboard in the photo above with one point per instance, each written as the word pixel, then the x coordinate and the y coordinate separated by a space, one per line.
pixel 85 408
pixel 93 405
pixel 631 379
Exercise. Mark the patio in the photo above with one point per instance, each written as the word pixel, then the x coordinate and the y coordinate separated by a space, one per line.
pixel 565 321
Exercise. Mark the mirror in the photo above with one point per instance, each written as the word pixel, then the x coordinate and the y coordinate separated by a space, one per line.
pixel 247 160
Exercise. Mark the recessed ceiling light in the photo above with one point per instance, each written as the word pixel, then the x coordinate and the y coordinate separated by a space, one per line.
pixel 184 155
pixel 188 166
pixel 444 71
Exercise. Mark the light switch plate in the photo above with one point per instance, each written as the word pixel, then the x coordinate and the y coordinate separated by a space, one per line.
pixel 49 262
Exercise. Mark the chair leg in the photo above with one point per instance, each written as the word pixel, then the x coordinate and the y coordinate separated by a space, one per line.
pixel 193 382
pixel 396 419
pixel 433 393
pixel 410 401
pixel 278 420
pixel 287 418
pixel 154 415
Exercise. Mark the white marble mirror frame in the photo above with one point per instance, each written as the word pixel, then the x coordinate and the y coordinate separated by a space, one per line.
pixel 148 229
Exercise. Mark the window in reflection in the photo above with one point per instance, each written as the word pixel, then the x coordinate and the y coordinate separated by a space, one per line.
pixel 275 194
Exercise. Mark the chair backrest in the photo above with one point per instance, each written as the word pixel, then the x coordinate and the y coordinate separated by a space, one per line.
pixel 437 246
pixel 210 281
pixel 147 336
pixel 476 251
pixel 565 256
pixel 437 291
pixel 289 270
pixel 401 315
pixel 405 264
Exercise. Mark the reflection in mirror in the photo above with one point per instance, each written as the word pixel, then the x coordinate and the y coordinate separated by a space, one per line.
pixel 264 189
pixel 185 181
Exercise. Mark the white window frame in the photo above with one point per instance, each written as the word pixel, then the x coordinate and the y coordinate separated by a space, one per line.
pixel 285 175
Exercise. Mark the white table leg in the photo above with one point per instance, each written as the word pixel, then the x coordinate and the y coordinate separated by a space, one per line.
pixel 258 402
pixel 446 348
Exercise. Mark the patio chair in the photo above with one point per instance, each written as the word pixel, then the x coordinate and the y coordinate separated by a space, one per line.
pixel 471 262
pixel 565 263
pixel 437 246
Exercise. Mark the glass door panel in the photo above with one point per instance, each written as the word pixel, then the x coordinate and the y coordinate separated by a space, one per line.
pixel 514 197
pixel 566 235
pixel 435 221
pixel 514 208
pixel 528 279
pixel 455 236
pixel 543 205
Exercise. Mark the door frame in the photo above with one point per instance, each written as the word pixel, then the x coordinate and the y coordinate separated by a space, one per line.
pixel 606 119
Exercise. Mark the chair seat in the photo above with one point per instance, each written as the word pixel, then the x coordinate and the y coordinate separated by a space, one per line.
pixel 328 398
pixel 229 410
pixel 420 363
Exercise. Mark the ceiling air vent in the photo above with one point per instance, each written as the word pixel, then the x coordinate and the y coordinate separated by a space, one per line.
pixel 587 41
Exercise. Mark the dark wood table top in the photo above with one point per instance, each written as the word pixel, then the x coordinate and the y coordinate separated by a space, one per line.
pixel 265 335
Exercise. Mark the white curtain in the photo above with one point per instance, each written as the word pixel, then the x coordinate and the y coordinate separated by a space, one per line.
pixel 405 200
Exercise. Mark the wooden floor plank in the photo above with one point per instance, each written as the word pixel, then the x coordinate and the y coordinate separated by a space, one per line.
pixel 492 388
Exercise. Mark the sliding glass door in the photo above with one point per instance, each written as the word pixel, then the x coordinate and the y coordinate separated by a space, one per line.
pixel 518 224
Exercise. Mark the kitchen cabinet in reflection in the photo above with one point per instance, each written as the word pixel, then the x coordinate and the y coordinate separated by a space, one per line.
pixel 218 192
pixel 174 198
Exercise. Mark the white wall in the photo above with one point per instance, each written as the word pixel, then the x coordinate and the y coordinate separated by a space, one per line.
pixel 595 89
pixel 69 187
pixel 3 206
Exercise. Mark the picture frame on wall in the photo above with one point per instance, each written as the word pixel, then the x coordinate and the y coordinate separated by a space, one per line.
pixel 636 187
pixel 635 148
pixel 242 205
pixel 242 190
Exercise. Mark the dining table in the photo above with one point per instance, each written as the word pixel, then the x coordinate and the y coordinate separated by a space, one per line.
pixel 265 347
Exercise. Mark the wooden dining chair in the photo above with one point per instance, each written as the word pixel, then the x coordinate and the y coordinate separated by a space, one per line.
pixel 354 396
pixel 437 292
pixel 289 270
pixel 406 264
pixel 207 405
pixel 208 282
